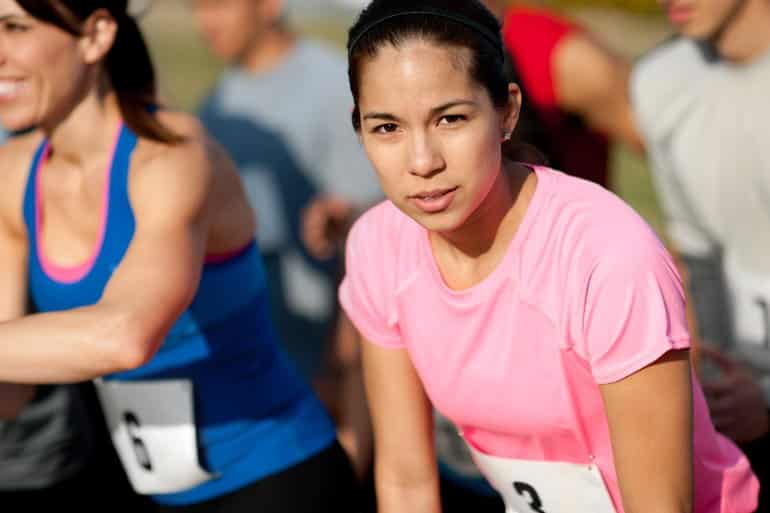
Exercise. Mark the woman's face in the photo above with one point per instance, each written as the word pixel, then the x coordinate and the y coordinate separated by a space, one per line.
pixel 42 69
pixel 431 132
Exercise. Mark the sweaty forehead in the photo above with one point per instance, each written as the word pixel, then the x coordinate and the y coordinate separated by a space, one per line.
pixel 415 72
pixel 10 8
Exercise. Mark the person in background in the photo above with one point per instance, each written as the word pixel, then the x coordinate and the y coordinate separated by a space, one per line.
pixel 702 106
pixel 282 111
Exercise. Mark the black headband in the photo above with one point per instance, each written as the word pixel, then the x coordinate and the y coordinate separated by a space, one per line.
pixel 487 34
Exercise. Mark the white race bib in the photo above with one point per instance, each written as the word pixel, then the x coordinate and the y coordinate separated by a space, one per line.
pixel 750 300
pixel 153 429
pixel 544 486
pixel 750 297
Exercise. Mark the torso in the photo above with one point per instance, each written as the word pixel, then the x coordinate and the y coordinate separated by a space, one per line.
pixel 516 375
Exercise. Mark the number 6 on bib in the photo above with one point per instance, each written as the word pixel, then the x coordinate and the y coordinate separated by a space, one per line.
pixel 153 430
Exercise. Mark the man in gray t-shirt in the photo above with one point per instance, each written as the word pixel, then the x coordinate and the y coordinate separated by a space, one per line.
pixel 702 104
pixel 282 111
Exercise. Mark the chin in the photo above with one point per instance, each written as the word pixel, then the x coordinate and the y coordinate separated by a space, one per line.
pixel 16 122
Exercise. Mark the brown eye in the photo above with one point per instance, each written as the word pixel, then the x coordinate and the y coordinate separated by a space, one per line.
pixel 451 119
pixel 387 128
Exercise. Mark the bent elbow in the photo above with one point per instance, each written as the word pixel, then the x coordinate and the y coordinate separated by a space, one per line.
pixel 132 345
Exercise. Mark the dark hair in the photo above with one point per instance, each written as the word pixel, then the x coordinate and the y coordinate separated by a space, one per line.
pixel 464 24
pixel 128 63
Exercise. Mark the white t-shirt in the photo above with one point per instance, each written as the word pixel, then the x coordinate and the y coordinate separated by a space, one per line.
pixel 706 123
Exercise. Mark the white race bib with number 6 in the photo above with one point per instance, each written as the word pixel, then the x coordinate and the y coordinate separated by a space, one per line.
pixel 153 429
pixel 544 486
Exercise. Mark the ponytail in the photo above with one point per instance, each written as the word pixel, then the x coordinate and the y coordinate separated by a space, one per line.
pixel 131 73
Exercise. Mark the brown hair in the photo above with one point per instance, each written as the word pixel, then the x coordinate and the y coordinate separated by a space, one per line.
pixel 460 24
pixel 128 63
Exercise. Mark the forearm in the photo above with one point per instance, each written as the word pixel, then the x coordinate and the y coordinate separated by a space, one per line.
pixel 355 428
pixel 65 347
pixel 400 496
pixel 13 399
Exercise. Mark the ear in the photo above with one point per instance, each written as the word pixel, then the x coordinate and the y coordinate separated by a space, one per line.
pixel 99 33
pixel 511 114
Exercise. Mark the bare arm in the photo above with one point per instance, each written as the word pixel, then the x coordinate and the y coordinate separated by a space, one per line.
pixel 651 426
pixel 593 83
pixel 13 283
pixel 406 474
pixel 354 425
pixel 154 283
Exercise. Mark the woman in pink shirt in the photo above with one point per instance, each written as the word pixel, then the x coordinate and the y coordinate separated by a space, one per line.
pixel 535 310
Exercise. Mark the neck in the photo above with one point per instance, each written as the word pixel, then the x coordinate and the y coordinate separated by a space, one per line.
pixel 747 34
pixel 495 221
pixel 86 132
pixel 268 50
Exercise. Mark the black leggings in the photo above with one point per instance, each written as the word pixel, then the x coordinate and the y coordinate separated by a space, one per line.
pixel 323 483
pixel 758 453
pixel 458 499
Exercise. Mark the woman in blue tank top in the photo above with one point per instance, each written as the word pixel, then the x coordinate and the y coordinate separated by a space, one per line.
pixel 131 230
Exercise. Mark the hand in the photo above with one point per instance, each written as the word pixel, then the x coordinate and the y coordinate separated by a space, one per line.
pixel 738 408
pixel 325 224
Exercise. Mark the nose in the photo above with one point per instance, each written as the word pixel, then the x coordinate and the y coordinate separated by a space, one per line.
pixel 426 158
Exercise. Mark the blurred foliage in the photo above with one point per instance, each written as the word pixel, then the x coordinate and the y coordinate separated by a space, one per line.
pixel 633 6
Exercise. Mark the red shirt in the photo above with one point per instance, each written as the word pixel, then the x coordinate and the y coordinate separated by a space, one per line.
pixel 532 37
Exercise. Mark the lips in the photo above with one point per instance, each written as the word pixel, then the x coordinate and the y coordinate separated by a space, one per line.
pixel 434 201
pixel 679 14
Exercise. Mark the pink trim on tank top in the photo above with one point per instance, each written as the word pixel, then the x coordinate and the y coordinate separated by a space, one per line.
pixel 74 273
pixel 221 258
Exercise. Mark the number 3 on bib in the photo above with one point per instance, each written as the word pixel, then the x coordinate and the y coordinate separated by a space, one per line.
pixel 529 492
pixel 545 486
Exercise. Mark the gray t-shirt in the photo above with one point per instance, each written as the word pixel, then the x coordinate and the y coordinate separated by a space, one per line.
pixel 49 442
pixel 289 132
pixel 706 123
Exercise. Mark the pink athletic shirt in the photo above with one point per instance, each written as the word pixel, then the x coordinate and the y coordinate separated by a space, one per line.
pixel 586 294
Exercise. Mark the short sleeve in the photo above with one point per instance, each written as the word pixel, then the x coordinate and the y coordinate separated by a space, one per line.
pixel 367 293
pixel 634 311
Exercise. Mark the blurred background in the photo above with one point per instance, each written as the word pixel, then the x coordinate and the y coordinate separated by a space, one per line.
pixel 187 70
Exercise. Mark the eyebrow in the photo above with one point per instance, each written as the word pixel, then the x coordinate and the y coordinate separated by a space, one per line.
pixel 6 17
pixel 433 112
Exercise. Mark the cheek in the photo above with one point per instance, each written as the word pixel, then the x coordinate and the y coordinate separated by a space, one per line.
pixel 388 163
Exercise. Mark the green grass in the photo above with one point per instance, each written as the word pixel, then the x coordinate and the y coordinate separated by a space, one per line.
pixel 187 70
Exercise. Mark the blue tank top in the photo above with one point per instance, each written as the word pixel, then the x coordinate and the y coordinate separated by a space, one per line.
pixel 254 415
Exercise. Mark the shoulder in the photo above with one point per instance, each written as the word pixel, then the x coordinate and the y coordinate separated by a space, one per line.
pixel 594 225
pixel 664 76
pixel 16 154
pixel 328 67
pixel 321 54
pixel 384 235
pixel 177 175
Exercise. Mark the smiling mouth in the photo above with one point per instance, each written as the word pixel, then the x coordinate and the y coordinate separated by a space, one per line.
pixel 10 88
